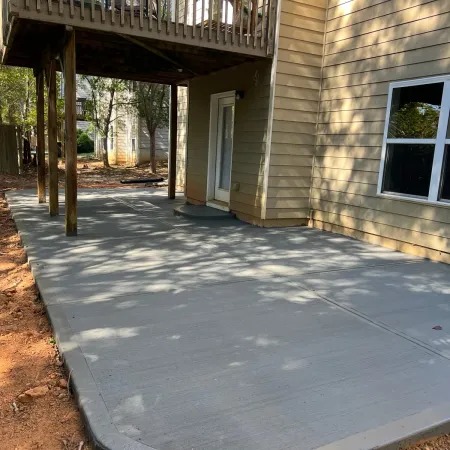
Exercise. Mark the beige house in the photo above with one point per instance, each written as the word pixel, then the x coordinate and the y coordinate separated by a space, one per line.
pixel 328 113
pixel 314 139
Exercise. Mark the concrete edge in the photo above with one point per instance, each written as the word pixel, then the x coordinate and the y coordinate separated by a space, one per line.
pixel 400 433
pixel 97 419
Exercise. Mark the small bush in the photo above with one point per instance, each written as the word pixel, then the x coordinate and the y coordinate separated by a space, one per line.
pixel 84 143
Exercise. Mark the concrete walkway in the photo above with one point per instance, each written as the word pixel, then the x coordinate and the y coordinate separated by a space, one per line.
pixel 220 335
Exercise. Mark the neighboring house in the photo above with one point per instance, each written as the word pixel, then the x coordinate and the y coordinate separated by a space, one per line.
pixel 129 140
pixel 83 94
pixel 333 114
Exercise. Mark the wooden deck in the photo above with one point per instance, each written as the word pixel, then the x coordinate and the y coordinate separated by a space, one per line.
pixel 171 41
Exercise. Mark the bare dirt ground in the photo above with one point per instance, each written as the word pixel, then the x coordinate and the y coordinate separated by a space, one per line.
pixel 91 173
pixel 441 443
pixel 36 410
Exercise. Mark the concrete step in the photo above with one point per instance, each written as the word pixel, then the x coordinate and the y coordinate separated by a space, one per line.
pixel 201 212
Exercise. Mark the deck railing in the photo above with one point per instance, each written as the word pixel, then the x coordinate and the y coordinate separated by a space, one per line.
pixel 248 24
pixel 5 23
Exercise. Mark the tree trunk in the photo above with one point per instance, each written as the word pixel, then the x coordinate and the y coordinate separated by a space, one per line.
pixel 105 152
pixel 153 150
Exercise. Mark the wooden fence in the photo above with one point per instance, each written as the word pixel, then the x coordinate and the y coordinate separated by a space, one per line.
pixel 10 149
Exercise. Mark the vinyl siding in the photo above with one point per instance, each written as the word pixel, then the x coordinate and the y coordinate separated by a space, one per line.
pixel 296 104
pixel 250 134
pixel 162 143
pixel 121 143
pixel 370 43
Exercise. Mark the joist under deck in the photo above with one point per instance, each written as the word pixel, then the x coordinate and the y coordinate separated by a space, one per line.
pixel 114 55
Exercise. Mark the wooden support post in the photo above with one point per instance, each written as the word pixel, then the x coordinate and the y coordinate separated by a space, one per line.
pixel 40 125
pixel 52 141
pixel 173 141
pixel 70 134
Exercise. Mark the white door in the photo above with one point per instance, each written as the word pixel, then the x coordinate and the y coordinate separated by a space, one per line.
pixel 224 148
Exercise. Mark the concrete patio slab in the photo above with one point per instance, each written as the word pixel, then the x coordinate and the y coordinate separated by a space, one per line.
pixel 220 335
pixel 410 299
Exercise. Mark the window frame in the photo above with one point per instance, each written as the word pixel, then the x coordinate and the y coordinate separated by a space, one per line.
pixel 439 142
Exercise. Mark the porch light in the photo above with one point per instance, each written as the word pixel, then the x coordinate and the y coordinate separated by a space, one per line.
pixel 239 95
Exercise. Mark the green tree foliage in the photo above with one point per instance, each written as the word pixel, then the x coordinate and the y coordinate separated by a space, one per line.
pixel 17 97
pixel 414 120
pixel 152 104
pixel 108 99
pixel 84 143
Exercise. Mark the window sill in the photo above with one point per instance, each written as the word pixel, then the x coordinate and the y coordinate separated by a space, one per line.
pixel 443 204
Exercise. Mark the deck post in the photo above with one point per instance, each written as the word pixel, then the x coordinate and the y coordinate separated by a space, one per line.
pixel 40 125
pixel 70 135
pixel 52 141
pixel 173 140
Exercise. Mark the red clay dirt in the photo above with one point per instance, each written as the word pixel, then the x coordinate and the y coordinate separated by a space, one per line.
pixel 36 410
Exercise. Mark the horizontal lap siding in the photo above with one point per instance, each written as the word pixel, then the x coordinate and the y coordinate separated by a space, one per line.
pixel 250 134
pixel 296 102
pixel 368 45
pixel 161 142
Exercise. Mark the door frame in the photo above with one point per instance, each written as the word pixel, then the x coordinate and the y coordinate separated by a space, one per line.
pixel 212 147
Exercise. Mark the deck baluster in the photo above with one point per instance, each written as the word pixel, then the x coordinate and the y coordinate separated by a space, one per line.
pixel 131 13
pixel 186 4
pixel 219 10
pixel 241 23
pixel 233 26
pixel 249 25
pixel 225 19
pixel 122 13
pixel 202 25
pixel 159 12
pixel 194 17
pixel 168 17
pixel 263 24
pixel 210 19
pixel 177 15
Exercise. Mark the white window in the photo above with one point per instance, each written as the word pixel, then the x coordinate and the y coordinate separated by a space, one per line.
pixel 415 160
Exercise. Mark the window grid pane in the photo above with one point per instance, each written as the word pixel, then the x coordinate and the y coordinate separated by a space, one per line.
pixel 448 129
pixel 445 177
pixel 415 111
pixel 417 131
pixel 408 169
